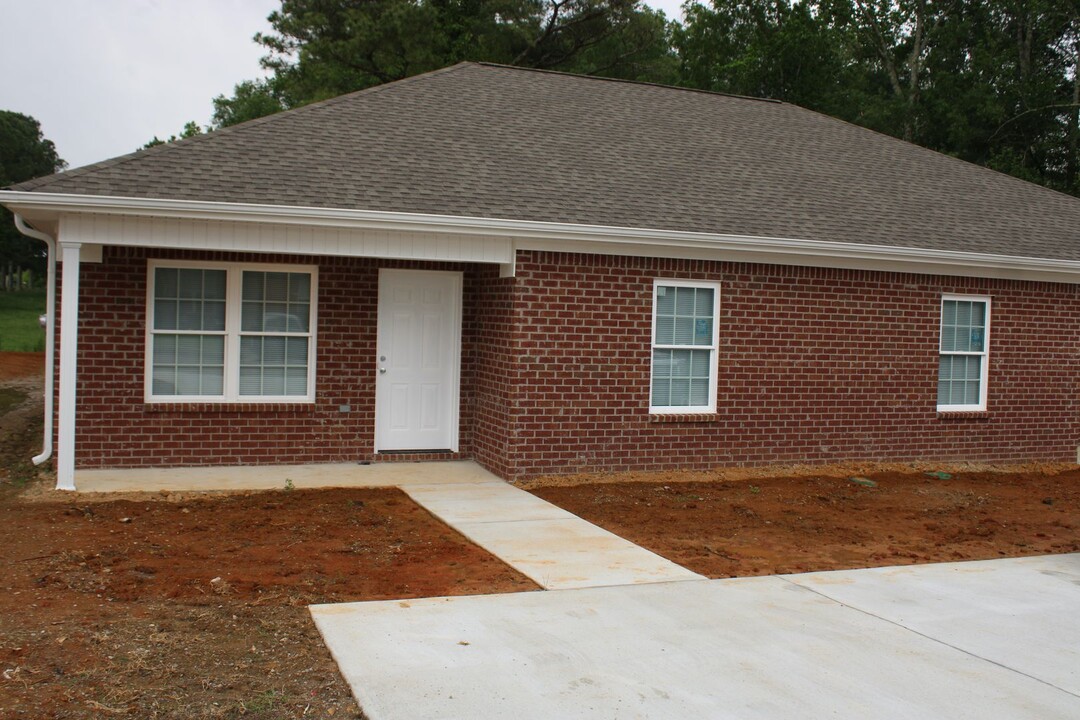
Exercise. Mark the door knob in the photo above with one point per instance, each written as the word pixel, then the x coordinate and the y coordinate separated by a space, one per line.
pixel 382 371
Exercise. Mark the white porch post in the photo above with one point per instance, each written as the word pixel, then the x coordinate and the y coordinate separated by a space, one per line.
pixel 69 340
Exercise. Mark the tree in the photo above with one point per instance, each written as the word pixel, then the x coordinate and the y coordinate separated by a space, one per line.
pixel 191 129
pixel 25 154
pixel 765 48
pixel 324 48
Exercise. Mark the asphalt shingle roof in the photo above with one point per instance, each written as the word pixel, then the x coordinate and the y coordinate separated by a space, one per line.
pixel 497 142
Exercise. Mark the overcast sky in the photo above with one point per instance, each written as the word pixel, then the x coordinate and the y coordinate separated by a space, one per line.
pixel 105 76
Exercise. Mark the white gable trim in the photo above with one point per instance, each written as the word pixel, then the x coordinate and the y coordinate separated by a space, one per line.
pixel 505 234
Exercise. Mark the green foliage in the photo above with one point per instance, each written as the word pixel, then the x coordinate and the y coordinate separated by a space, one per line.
pixel 19 327
pixel 191 129
pixel 323 48
pixel 25 154
pixel 992 82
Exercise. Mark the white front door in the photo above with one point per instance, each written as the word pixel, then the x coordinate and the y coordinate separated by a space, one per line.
pixel 418 360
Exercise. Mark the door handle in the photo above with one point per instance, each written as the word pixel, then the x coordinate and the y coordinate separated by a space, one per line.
pixel 382 371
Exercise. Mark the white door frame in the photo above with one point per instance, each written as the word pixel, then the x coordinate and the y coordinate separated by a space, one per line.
pixel 455 350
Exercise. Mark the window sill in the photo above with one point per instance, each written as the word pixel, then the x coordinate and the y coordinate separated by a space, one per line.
pixel 224 407
pixel 684 417
pixel 963 414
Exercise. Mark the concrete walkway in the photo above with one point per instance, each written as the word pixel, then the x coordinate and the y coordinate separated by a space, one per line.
pixel 994 639
pixel 555 548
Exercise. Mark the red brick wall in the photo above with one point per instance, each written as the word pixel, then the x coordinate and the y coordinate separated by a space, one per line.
pixel 115 428
pixel 815 365
pixel 495 365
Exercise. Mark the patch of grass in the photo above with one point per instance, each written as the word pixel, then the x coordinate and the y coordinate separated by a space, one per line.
pixel 19 328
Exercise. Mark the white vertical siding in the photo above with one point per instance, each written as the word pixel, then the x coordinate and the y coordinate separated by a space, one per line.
pixel 284 238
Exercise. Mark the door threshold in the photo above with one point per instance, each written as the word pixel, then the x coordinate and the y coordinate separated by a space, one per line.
pixel 445 451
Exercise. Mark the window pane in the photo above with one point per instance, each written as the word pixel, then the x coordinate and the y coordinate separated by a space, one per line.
pixel 299 287
pixel 273 381
pixel 296 381
pixel 275 317
pixel 681 378
pixel 273 365
pixel 299 317
pixel 277 287
pixel 253 286
pixel 971 393
pixel 188 381
pixel 164 349
pixel 665 300
pixel 276 302
pixel 251 317
pixel 190 283
pixel 963 313
pixel 948 338
pixel 213 381
pixel 684 331
pixel 680 392
pixel 213 315
pixel 188 349
pixel 296 351
pixel 189 315
pixel 213 350
pixel 250 381
pixel 665 330
pixel 214 284
pixel 164 314
pixel 963 327
pixel 684 301
pixel 164 380
pixel 250 350
pixel 703 331
pixel 704 305
pixel 188 364
pixel 699 392
pixel 684 316
pixel 959 380
pixel 273 352
pixel 661 392
pixel 165 282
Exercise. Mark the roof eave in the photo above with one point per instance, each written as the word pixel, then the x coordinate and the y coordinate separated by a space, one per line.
pixel 48 207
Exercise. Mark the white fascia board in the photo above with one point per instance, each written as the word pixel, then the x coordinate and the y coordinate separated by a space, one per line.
pixel 570 237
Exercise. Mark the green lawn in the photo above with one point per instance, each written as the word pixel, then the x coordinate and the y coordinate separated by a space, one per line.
pixel 19 329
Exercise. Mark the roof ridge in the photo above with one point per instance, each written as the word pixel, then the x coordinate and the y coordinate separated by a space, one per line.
pixel 223 132
pixel 626 81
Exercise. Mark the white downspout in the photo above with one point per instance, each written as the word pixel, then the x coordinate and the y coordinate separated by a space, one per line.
pixel 50 334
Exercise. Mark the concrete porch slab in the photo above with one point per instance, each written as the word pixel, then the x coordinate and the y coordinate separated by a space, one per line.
pixel 751 648
pixel 273 477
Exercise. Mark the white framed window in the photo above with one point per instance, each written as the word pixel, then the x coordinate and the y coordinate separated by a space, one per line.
pixel 684 346
pixel 964 359
pixel 230 332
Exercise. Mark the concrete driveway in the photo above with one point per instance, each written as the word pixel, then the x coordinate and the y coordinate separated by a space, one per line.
pixel 991 639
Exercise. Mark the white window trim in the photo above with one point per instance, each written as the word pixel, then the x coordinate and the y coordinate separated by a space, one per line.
pixel 984 372
pixel 714 347
pixel 233 306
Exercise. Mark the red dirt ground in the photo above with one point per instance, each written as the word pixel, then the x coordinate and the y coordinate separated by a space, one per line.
pixel 186 606
pixel 771 525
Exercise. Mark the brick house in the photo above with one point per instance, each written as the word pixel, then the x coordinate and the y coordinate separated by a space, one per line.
pixel 548 274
